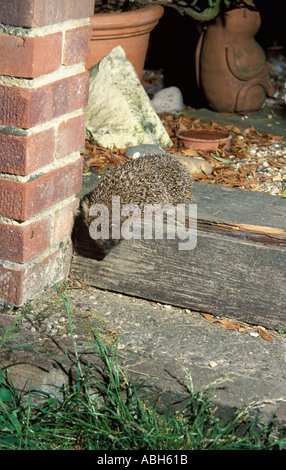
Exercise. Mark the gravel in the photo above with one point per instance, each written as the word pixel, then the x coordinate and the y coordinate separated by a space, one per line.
pixel 269 164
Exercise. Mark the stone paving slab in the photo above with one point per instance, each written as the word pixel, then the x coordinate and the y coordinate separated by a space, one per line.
pixel 167 347
pixel 270 119
pixel 173 342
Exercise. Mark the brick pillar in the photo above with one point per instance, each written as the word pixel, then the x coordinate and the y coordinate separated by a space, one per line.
pixel 43 88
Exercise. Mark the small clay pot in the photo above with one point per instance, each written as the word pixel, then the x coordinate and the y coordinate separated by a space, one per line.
pixel 204 139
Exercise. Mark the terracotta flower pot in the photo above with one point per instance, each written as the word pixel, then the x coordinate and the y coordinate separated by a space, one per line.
pixel 232 72
pixel 130 30
pixel 204 139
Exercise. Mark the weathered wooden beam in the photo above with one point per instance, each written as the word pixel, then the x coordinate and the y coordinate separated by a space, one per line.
pixel 237 269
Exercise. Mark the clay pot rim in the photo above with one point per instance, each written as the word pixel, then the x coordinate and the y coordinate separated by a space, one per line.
pixel 205 144
pixel 275 48
pixel 145 15
pixel 184 135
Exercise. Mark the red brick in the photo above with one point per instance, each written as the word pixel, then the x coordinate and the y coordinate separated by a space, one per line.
pixel 17 286
pixel 76 45
pixel 64 221
pixel 71 136
pixel 30 57
pixel 22 155
pixel 32 13
pixel 27 107
pixel 22 200
pixel 20 243
pixel 11 286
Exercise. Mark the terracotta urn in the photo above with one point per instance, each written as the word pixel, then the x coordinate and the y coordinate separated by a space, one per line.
pixel 130 30
pixel 231 68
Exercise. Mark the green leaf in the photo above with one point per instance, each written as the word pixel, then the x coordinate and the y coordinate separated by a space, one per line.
pixel 5 395
pixel 221 159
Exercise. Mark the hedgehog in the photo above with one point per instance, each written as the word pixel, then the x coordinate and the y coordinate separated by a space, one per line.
pixel 158 180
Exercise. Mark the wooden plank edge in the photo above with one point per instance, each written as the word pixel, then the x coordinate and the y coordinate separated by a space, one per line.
pixel 265 235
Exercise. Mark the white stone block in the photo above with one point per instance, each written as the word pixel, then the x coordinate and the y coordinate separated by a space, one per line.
pixel 119 111
pixel 168 100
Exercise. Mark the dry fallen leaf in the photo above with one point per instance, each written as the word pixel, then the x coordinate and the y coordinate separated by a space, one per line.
pixel 208 316
pixel 110 332
pixel 264 335
pixel 229 325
